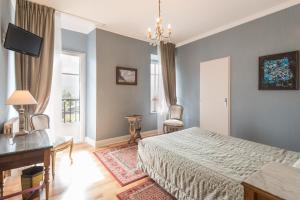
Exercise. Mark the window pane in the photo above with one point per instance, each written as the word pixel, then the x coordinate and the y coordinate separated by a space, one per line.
pixel 70 64
pixel 70 85
pixel 70 88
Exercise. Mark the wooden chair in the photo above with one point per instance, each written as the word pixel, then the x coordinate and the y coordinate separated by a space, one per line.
pixel 174 122
pixel 42 122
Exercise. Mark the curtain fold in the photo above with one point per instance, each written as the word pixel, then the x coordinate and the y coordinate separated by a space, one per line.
pixel 55 103
pixel 162 106
pixel 35 73
pixel 167 59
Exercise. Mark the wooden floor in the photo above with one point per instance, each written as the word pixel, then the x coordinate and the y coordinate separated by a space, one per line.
pixel 86 179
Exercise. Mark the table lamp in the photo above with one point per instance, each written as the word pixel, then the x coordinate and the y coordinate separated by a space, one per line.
pixel 21 98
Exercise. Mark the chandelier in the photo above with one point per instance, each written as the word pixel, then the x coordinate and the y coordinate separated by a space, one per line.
pixel 159 35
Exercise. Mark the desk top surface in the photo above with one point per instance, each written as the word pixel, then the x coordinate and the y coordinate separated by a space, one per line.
pixel 277 179
pixel 37 140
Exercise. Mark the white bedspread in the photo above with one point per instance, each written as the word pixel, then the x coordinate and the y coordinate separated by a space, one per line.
pixel 198 164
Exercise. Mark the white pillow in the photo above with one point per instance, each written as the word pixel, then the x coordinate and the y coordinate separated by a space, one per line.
pixel 297 164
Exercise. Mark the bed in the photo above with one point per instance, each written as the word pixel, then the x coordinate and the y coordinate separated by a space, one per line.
pixel 198 164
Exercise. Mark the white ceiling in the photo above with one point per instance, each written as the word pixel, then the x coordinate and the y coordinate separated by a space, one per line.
pixel 190 19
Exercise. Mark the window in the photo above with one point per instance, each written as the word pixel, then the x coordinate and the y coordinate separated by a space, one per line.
pixel 70 74
pixel 154 73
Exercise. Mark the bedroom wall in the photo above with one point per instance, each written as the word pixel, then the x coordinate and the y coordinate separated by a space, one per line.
pixel 74 41
pixel 6 16
pixel 270 117
pixel 116 101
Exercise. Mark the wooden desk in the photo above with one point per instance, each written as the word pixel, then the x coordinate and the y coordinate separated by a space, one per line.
pixel 273 182
pixel 26 150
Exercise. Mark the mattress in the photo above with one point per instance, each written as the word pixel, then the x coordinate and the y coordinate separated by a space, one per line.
pixel 198 164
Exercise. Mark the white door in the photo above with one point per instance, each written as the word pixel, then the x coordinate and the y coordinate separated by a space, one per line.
pixel 73 95
pixel 67 102
pixel 215 95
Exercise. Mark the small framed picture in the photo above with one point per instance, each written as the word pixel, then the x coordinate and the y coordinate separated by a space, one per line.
pixel 126 76
pixel 279 71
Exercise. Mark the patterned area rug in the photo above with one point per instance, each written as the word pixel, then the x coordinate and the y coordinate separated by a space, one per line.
pixel 121 163
pixel 148 190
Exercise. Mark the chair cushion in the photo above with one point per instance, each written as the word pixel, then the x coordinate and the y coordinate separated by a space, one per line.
pixel 59 140
pixel 173 122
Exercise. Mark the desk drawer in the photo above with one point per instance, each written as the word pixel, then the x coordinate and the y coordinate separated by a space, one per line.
pixel 21 159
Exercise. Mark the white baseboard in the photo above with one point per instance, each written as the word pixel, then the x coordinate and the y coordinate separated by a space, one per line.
pixel 120 139
pixel 90 141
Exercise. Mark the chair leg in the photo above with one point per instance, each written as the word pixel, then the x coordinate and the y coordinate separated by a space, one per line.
pixel 166 129
pixel 53 157
pixel 70 153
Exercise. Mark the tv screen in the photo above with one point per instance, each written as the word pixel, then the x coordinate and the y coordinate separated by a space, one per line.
pixel 22 41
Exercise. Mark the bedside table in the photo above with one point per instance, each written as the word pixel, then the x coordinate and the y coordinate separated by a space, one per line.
pixel 273 182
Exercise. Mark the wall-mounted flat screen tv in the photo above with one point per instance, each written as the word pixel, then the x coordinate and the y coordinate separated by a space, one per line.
pixel 22 41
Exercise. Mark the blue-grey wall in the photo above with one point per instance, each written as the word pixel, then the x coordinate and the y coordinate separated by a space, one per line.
pixel 6 16
pixel 74 41
pixel 270 117
pixel 114 102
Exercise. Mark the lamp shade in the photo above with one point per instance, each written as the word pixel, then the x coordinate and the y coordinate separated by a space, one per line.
pixel 21 97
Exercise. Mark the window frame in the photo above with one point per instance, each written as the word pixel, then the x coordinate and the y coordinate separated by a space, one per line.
pixel 154 60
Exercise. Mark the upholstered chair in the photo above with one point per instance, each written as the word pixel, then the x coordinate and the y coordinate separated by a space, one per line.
pixel 174 121
pixel 60 143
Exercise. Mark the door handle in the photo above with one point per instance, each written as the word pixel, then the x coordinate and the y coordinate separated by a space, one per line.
pixel 226 102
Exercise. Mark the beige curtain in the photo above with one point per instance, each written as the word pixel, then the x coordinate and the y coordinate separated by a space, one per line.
pixel 167 59
pixel 35 73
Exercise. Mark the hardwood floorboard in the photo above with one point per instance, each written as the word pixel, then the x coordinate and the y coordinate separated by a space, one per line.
pixel 86 179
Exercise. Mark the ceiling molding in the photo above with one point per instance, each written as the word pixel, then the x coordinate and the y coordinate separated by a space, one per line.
pixel 258 15
pixel 106 28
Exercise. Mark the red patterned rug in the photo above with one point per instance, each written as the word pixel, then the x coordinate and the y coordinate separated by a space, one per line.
pixel 148 190
pixel 121 163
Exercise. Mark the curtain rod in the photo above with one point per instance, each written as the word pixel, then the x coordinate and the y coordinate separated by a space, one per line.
pixel 97 24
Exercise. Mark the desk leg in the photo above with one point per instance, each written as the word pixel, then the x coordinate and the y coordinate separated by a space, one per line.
pixel 249 194
pixel 46 166
pixel 1 183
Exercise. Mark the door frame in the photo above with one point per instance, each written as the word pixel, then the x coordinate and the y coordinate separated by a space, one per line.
pixel 82 89
pixel 229 90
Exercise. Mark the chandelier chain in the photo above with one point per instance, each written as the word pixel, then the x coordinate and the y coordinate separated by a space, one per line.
pixel 159 8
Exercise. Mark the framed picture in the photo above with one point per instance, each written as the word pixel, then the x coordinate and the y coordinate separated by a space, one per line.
pixel 126 76
pixel 279 71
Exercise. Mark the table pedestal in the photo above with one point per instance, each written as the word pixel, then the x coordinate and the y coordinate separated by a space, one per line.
pixel 134 127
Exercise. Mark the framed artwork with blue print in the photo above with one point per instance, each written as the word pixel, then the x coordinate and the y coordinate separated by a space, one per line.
pixel 279 71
